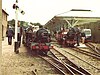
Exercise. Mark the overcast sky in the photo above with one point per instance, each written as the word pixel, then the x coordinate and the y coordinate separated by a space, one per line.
pixel 43 10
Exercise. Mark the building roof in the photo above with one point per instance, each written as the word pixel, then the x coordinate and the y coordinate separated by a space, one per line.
pixel 80 13
pixel 5 12
pixel 77 16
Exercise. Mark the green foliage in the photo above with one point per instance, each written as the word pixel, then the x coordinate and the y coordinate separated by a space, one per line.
pixel 11 22
pixel 36 24
pixel 22 23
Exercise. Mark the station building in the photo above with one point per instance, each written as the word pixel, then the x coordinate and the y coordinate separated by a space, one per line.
pixel 85 21
pixel 4 23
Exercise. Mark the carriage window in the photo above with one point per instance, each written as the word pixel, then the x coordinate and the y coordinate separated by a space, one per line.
pixel 87 32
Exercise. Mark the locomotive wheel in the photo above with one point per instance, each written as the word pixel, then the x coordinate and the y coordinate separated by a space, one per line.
pixel 38 52
pixel 72 45
pixel 68 44
pixel 45 52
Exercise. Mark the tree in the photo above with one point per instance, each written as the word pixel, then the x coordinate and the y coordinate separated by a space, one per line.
pixel 36 24
pixel 11 22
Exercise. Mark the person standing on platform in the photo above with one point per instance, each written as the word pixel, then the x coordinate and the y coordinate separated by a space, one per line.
pixel 10 34
pixel 19 33
pixel 78 34
pixel 83 36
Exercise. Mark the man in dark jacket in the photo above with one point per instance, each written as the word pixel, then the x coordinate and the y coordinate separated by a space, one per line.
pixel 10 34
pixel 78 32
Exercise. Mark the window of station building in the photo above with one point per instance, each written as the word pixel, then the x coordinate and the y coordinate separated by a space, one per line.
pixel 5 17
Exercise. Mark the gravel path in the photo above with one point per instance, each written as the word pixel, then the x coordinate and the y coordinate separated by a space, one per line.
pixel 22 63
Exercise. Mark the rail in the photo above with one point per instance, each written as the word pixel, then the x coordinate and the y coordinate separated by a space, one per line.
pixel 72 66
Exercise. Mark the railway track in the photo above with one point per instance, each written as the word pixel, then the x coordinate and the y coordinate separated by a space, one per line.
pixel 91 65
pixel 93 48
pixel 83 60
pixel 63 64
pixel 77 70
pixel 61 69
pixel 94 55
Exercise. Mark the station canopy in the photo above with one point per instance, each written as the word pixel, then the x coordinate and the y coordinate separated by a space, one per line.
pixel 79 16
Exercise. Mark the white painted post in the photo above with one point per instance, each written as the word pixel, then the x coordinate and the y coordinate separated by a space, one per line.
pixel 16 24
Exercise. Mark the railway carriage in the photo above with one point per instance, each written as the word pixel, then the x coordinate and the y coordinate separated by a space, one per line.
pixel 87 35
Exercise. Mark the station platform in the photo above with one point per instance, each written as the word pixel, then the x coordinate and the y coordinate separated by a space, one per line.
pixel 10 48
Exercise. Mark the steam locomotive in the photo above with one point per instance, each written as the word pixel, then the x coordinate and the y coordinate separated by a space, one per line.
pixel 67 37
pixel 71 36
pixel 37 41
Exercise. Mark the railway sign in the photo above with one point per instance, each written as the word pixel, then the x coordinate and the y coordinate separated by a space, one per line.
pixel 16 7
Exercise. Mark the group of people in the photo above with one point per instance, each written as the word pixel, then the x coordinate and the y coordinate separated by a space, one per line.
pixel 10 33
